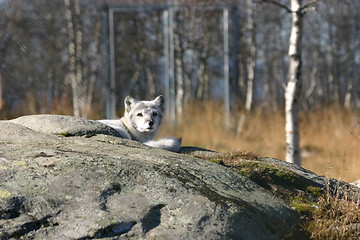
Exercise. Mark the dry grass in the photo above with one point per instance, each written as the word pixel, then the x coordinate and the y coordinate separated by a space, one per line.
pixel 335 217
pixel 329 140
pixel 330 143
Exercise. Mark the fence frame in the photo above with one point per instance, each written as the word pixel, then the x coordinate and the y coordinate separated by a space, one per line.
pixel 168 36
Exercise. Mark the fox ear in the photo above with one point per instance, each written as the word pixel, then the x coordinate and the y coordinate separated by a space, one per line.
pixel 129 102
pixel 160 101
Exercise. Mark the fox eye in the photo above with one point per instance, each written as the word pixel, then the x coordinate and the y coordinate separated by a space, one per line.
pixel 139 114
pixel 154 114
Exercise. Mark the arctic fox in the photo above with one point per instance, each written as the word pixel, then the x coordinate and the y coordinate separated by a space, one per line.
pixel 141 121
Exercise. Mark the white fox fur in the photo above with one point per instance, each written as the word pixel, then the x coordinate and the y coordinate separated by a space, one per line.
pixel 141 122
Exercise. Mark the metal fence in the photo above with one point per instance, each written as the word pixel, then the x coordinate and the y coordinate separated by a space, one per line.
pixel 170 46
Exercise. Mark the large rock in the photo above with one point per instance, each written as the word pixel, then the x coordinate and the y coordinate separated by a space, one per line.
pixel 64 125
pixel 102 186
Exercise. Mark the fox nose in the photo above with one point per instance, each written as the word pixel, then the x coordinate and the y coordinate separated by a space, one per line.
pixel 151 123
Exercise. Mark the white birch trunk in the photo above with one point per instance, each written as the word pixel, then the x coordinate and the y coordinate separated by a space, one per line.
pixel 250 66
pixel 351 99
pixel 80 86
pixel 188 79
pixel 94 52
pixel 201 84
pixel 151 82
pixel 293 87
pixel 1 93
pixel 82 89
pixel 251 56
pixel 72 76
pixel 179 77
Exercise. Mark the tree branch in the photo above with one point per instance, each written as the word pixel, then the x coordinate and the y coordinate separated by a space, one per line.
pixel 301 10
pixel 307 6
pixel 277 4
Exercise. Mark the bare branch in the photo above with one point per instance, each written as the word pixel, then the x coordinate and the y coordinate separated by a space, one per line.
pixel 277 4
pixel 307 6
pixel 303 9
pixel 309 9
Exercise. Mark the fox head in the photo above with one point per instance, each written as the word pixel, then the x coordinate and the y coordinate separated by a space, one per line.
pixel 144 116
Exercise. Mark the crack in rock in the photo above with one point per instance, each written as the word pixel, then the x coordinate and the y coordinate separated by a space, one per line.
pixel 113 230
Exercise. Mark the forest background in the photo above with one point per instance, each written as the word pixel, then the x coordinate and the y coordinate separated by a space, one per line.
pixel 54 59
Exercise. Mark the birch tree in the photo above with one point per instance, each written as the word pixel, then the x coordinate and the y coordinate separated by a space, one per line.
pixel 93 72
pixel 294 84
pixel 4 42
pixel 352 94
pixel 82 68
pixel 179 50
pixel 1 93
pixel 293 87
pixel 250 62
pixel 74 51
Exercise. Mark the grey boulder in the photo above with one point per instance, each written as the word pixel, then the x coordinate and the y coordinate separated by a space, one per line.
pixel 105 187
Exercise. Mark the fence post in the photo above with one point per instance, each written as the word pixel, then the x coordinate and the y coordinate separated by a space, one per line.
pixel 166 56
pixel 234 58
pixel 168 29
pixel 109 58
pixel 226 68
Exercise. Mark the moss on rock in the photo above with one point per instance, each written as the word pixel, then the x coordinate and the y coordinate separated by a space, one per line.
pixel 5 193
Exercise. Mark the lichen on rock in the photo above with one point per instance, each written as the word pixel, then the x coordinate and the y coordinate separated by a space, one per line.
pixel 101 186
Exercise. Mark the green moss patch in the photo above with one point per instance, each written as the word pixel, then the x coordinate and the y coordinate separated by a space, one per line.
pixel 66 134
pixel 303 205
pixel 316 191
pixel 265 173
pixel 5 193
pixel 324 215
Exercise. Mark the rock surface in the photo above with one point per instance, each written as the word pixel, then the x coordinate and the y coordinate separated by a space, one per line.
pixel 64 125
pixel 356 183
pixel 99 186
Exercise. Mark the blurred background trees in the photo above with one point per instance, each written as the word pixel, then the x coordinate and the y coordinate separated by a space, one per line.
pixel 51 51
pixel 55 56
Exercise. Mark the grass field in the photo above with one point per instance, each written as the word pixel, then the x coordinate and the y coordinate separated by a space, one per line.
pixel 330 141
